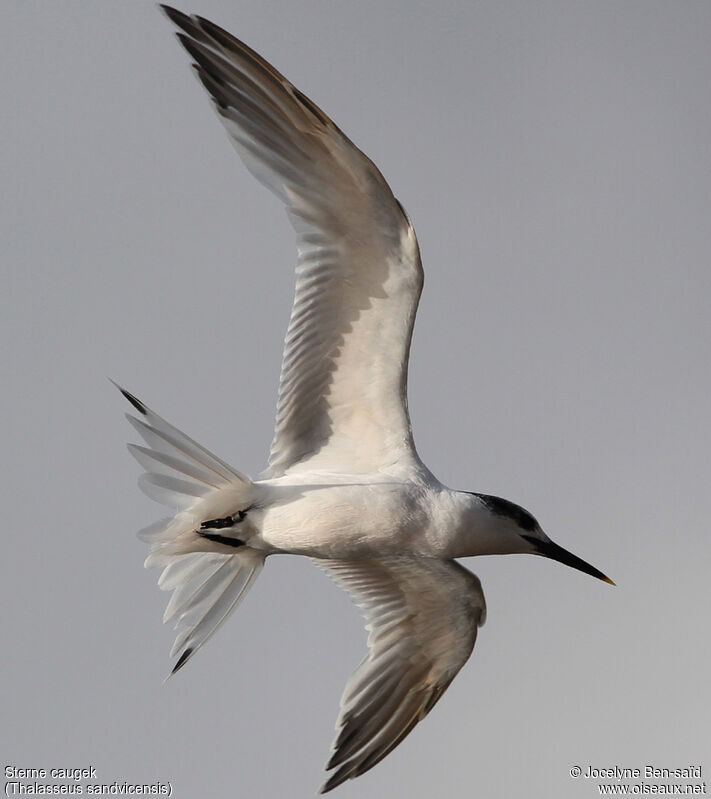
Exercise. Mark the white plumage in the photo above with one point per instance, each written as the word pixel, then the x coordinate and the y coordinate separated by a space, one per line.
pixel 344 484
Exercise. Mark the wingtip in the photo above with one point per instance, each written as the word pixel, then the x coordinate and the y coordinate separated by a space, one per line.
pixel 172 13
pixel 336 779
pixel 182 660
pixel 137 404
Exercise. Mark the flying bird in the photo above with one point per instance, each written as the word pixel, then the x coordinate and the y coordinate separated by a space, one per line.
pixel 344 484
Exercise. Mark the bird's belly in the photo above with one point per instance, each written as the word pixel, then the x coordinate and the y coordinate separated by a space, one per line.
pixel 345 521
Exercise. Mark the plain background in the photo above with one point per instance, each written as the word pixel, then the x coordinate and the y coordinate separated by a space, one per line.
pixel 555 158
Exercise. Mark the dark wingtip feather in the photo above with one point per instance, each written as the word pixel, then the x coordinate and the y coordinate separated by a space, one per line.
pixel 173 14
pixel 182 660
pixel 193 49
pixel 332 783
pixel 137 404
pixel 185 23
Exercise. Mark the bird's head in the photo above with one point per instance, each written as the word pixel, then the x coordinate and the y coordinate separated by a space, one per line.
pixel 523 534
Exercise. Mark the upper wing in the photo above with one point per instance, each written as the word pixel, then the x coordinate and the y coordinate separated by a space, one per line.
pixel 422 615
pixel 343 388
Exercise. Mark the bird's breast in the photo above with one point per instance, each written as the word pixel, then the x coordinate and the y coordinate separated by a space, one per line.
pixel 347 521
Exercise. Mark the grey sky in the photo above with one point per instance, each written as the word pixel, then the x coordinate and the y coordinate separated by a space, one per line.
pixel 555 159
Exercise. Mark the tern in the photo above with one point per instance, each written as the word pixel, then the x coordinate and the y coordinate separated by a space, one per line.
pixel 344 484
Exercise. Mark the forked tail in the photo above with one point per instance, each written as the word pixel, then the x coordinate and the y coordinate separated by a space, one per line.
pixel 203 550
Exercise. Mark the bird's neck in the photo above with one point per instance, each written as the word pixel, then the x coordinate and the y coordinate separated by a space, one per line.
pixel 472 528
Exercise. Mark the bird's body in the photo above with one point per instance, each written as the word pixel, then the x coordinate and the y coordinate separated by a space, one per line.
pixel 382 515
pixel 378 516
pixel 344 484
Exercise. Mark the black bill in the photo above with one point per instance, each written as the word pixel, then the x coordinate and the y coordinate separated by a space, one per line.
pixel 550 550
